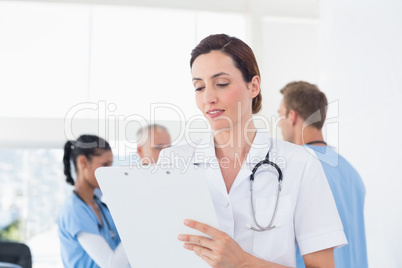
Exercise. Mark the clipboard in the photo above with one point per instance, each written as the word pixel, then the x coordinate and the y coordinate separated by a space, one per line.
pixel 149 204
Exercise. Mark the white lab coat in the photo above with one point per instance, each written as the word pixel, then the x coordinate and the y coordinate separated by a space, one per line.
pixel 307 212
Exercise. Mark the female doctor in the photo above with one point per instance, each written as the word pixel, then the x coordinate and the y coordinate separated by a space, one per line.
pixel 88 236
pixel 290 201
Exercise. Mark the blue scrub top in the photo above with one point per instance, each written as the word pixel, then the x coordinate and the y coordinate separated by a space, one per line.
pixel 349 193
pixel 75 217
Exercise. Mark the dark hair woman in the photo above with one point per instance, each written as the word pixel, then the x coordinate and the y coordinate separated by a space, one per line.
pixel 88 235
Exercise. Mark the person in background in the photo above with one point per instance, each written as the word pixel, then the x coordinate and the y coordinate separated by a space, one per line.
pixel 151 140
pixel 88 235
pixel 303 110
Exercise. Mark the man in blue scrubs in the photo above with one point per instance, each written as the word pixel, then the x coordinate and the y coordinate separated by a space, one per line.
pixel 303 112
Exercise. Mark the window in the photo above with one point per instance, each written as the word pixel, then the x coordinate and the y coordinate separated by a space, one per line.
pixel 33 188
pixel 43 58
pixel 56 56
pixel 66 54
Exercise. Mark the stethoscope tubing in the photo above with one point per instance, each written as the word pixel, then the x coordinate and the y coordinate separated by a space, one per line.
pixel 270 226
pixel 111 232
pixel 100 204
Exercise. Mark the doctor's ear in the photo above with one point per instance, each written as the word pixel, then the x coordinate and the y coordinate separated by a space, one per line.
pixel 82 162
pixel 140 151
pixel 293 117
pixel 254 86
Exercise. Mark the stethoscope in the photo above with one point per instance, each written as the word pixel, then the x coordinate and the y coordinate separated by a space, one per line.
pixel 100 204
pixel 270 226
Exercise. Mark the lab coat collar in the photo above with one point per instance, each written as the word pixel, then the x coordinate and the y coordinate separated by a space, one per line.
pixel 205 154
pixel 205 150
pixel 258 151
pixel 259 148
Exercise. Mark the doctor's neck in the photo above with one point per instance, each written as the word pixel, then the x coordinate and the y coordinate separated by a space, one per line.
pixel 310 134
pixel 237 140
pixel 84 190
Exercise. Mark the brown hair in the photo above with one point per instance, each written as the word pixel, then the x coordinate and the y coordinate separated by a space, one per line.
pixel 241 54
pixel 306 99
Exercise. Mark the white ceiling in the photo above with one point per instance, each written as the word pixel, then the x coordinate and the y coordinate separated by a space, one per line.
pixel 271 8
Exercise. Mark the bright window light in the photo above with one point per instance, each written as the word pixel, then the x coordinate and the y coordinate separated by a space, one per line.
pixel 56 57
pixel 140 56
pixel 43 58
pixel 216 23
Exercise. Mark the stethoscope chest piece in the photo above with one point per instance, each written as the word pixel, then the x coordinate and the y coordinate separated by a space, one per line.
pixel 112 234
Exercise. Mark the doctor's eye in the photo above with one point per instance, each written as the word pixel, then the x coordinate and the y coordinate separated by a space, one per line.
pixel 222 84
pixel 199 88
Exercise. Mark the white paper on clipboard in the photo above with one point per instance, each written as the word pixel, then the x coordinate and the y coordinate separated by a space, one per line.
pixel 149 204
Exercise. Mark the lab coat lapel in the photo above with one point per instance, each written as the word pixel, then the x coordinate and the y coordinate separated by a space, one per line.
pixel 204 155
pixel 258 151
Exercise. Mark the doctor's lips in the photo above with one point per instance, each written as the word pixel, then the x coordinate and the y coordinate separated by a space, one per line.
pixel 215 113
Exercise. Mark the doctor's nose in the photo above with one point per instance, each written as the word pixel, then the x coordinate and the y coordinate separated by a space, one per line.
pixel 209 95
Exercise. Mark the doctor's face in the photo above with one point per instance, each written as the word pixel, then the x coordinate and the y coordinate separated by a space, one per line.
pixel 285 124
pixel 156 141
pixel 221 94
pixel 105 159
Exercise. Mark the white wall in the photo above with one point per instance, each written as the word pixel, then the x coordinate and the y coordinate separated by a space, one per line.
pixel 361 66
pixel 290 53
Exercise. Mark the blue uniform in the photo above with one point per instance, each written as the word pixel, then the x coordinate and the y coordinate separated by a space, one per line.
pixel 349 192
pixel 75 217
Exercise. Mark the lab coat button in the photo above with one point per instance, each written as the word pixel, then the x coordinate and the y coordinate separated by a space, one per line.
pixel 226 205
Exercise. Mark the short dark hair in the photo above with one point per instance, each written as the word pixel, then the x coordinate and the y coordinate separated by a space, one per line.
pixel 306 99
pixel 241 54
